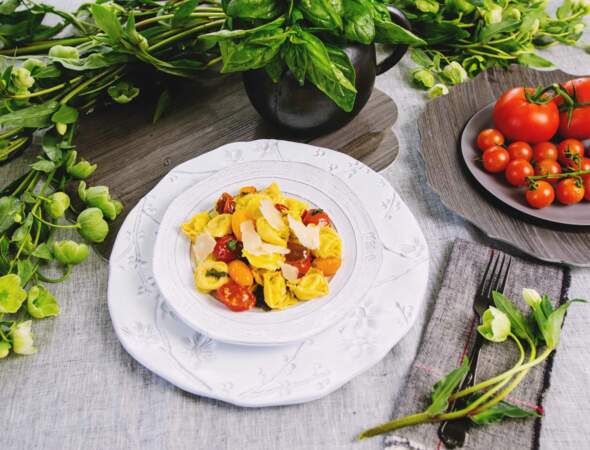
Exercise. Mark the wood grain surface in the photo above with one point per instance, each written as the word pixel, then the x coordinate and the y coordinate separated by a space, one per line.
pixel 441 126
pixel 133 154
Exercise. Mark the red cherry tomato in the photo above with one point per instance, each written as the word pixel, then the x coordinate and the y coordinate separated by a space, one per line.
pixel 541 195
pixel 495 159
pixel 517 172
pixel 570 191
pixel 281 208
pixel 235 297
pixel 520 150
pixel 587 189
pixel 569 150
pixel 578 125
pixel 227 248
pixel 488 138
pixel 316 216
pixel 519 118
pixel 548 167
pixel 545 150
pixel 583 164
pixel 225 204
pixel 299 256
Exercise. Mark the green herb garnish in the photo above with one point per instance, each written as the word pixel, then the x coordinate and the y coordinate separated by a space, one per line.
pixel 215 273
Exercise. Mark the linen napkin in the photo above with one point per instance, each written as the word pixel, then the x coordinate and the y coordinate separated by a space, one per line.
pixel 448 337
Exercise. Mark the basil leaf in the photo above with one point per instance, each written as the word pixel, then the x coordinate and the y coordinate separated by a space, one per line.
pixel 388 32
pixel 493 29
pixel 443 389
pixel 535 61
pixel 253 52
pixel 501 411
pixel 51 148
pixel 295 57
pixel 9 208
pixel 92 61
pixel 520 326
pixel 220 35
pixel 37 116
pixel 358 21
pixel 275 69
pixel 107 21
pixel 182 14
pixel 254 9
pixel 43 166
pixel 65 114
pixel 322 13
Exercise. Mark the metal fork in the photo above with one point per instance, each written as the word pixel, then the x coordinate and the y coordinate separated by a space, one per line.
pixel 454 432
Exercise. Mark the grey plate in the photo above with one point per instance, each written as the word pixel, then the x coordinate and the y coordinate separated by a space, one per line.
pixel 496 185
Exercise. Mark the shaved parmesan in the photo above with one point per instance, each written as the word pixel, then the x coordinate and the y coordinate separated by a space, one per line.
pixel 290 273
pixel 271 214
pixel 309 235
pixel 253 242
pixel 202 247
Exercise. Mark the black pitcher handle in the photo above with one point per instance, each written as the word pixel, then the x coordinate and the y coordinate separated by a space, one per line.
pixel 399 51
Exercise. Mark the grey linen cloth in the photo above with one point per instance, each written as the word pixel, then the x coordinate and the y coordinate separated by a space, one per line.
pixel 448 337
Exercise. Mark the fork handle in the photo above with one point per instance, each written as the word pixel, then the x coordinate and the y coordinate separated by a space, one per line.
pixel 454 432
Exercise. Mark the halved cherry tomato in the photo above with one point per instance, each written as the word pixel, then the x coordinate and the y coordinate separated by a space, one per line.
pixel 329 266
pixel 495 159
pixel 541 195
pixel 281 208
pixel 517 171
pixel 299 256
pixel 488 138
pixel 545 150
pixel 548 167
pixel 240 273
pixel 520 150
pixel 235 297
pixel 578 125
pixel 225 204
pixel 227 248
pixel 569 150
pixel 237 219
pixel 519 118
pixel 570 191
pixel 316 216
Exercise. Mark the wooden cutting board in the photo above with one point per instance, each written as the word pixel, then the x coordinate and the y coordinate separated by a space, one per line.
pixel 441 126
pixel 133 154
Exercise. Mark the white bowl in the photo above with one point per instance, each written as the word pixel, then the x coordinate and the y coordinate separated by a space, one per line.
pixel 361 256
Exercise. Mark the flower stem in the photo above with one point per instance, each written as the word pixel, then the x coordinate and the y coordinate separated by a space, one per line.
pixel 184 34
pixel 396 424
pixel 43 46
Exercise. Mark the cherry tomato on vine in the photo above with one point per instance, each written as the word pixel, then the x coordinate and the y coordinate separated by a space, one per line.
pixel 316 216
pixel 517 172
pixel 545 150
pixel 570 149
pixel 583 164
pixel 298 256
pixel 520 150
pixel 521 116
pixel 570 191
pixel 495 159
pixel 540 195
pixel 577 125
pixel 488 138
pixel 548 167
pixel 235 297
pixel 225 204
pixel 587 189
pixel 227 248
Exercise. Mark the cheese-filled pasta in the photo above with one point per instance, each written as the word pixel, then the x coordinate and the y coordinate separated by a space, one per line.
pixel 211 275
pixel 312 285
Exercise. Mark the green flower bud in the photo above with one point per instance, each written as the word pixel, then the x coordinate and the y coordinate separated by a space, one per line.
pixel 4 349
pixel 427 6
pixel 512 13
pixel 123 92
pixel 22 339
pixel 64 52
pixel 474 65
pixel 454 73
pixel 70 158
pixel 423 78
pixel 531 297
pixel 92 225
pixel 12 295
pixel 495 325
pixel 61 128
pixel 21 78
pixel 81 170
pixel 57 204
pixel 41 303
pixel 493 14
pixel 437 90
pixel 579 28
pixel 70 253
pixel 33 63
pixel 99 197
pixel 461 6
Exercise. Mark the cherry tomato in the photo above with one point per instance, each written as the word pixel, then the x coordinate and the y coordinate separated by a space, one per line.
pixel 583 164
pixel 570 192
pixel 495 159
pixel 578 125
pixel 587 189
pixel 225 204
pixel 488 138
pixel 235 297
pixel 519 118
pixel 240 273
pixel 328 266
pixel 316 216
pixel 541 195
pixel 517 171
pixel 548 167
pixel 227 248
pixel 545 150
pixel 520 150
pixel 281 208
pixel 299 256
pixel 570 149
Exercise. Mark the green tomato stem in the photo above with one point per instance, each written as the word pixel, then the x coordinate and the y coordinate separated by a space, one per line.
pixel 54 225
pixel 396 424
pixel 557 176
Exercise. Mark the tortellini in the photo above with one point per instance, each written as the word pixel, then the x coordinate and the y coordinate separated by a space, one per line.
pixel 295 207
pixel 209 275
pixel 313 284
pixel 269 234
pixel 274 193
pixel 270 261
pixel 196 225
pixel 251 203
pixel 330 244
pixel 219 225
pixel 276 295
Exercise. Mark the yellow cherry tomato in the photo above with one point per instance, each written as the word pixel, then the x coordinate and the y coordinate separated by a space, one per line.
pixel 240 273
pixel 328 266
pixel 237 219
pixel 247 190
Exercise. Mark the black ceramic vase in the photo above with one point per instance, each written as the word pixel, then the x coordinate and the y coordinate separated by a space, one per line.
pixel 305 110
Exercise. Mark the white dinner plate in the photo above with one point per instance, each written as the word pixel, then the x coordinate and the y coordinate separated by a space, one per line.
pixel 274 375
pixel 361 256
